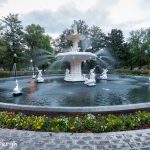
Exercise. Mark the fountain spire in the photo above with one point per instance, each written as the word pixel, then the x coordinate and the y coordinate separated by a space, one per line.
pixel 74 28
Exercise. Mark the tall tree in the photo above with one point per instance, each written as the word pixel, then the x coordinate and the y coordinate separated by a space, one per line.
pixel 2 47
pixel 33 36
pixel 115 41
pixel 2 43
pixel 14 39
pixel 38 44
pixel 46 43
pixel 82 27
pixel 139 42
pixel 98 38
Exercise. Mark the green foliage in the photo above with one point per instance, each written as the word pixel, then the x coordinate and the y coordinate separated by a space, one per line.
pixel 33 36
pixel 120 49
pixel 139 42
pixel 2 42
pixel 4 74
pixel 46 43
pixel 133 72
pixel 14 39
pixel 98 38
pixel 3 49
pixel 40 50
pixel 89 122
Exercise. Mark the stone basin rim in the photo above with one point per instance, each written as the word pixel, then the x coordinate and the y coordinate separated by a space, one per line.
pixel 85 109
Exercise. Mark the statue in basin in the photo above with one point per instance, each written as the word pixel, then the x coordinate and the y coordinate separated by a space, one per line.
pixel 40 78
pixel 103 76
pixel 67 74
pixel 17 90
pixel 91 80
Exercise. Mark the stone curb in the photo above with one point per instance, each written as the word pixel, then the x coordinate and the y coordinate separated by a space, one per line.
pixel 98 109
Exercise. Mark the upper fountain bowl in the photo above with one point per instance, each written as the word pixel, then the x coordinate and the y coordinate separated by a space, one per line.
pixel 76 56
pixel 75 37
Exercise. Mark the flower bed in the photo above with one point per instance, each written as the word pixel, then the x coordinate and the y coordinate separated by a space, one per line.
pixel 87 123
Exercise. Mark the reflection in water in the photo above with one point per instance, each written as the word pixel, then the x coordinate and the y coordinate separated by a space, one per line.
pixel 139 95
pixel 33 86
pixel 55 92
pixel 149 87
pixel 115 99
pixel 81 98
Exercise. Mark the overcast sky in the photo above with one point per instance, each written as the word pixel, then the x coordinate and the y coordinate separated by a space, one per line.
pixel 57 15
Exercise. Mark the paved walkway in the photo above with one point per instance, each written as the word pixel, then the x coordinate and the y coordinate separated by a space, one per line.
pixel 30 140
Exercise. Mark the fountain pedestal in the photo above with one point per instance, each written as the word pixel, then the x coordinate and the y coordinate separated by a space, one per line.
pixel 75 72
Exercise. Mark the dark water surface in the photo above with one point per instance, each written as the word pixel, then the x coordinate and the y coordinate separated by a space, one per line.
pixel 56 92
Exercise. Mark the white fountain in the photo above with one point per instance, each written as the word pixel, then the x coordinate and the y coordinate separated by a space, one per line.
pixel 75 58
pixel 17 90
pixel 33 69
pixel 40 78
pixel 103 76
pixel 91 81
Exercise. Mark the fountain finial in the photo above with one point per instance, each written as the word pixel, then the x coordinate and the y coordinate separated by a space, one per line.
pixel 74 27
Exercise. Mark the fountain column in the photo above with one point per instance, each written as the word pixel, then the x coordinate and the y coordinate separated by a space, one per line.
pixel 75 45
pixel 75 70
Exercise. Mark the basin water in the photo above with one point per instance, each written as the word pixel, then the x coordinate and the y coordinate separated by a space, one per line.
pixel 116 90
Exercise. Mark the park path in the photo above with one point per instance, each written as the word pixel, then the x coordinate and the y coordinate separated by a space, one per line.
pixel 11 139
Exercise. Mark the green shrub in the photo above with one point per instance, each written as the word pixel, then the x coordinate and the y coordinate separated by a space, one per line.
pixel 5 74
pixel 145 72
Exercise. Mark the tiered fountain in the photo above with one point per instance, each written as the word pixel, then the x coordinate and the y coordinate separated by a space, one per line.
pixel 75 58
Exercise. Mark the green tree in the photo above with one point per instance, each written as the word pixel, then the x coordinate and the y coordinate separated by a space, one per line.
pixel 82 27
pixel 98 38
pixel 38 45
pixel 139 43
pixel 2 43
pixel 46 43
pixel 119 49
pixel 14 39
pixel 2 47
pixel 33 36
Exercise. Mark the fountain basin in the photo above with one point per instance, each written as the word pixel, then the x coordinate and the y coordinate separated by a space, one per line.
pixel 55 92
